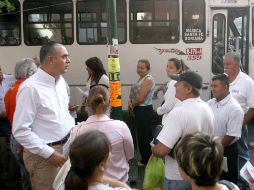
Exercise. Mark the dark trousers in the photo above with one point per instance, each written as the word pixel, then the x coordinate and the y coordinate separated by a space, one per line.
pixel 5 127
pixel 231 152
pixel 143 117
pixel 244 156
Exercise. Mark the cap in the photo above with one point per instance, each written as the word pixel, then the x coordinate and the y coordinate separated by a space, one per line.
pixel 190 77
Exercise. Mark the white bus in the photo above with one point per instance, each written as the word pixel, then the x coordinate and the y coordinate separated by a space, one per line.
pixel 197 31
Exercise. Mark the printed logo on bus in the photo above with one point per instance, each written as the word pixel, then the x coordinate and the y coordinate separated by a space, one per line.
pixel 194 53
pixel 170 50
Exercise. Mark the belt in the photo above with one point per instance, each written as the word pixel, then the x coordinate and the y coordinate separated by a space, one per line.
pixel 62 141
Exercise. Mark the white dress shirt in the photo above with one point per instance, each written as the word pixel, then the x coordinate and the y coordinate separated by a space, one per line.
pixel 7 82
pixel 228 117
pixel 41 114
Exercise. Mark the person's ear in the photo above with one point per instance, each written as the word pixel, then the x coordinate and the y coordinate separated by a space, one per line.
pixel 189 89
pixel 102 166
pixel 50 59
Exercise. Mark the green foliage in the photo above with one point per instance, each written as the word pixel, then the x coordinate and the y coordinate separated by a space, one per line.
pixel 6 4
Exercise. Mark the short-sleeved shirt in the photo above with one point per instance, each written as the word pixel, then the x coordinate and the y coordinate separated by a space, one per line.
pixel 192 115
pixel 228 117
pixel 170 99
pixel 7 82
pixel 103 80
pixel 242 89
pixel 122 149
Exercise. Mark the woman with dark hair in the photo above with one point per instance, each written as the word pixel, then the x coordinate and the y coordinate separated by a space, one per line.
pixel 96 72
pixel 122 150
pixel 96 75
pixel 200 160
pixel 89 157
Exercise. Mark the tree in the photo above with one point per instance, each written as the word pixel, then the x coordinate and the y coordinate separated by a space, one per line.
pixel 6 5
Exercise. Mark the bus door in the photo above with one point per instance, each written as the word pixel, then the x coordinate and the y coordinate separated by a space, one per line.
pixel 230 32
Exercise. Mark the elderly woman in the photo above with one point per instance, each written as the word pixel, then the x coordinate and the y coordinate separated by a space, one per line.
pixel 119 135
pixel 23 69
pixel 141 104
pixel 200 159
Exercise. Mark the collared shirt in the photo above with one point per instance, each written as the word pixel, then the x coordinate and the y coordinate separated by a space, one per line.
pixel 7 82
pixel 170 99
pixel 192 115
pixel 41 115
pixel 10 100
pixel 228 117
pixel 119 135
pixel 242 89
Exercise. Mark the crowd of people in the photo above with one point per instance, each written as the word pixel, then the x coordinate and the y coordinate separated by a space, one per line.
pixel 195 136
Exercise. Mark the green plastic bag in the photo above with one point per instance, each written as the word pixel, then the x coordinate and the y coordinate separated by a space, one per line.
pixel 154 174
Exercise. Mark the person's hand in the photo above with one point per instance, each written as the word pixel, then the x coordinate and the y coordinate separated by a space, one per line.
pixel 251 186
pixel 19 150
pixel 156 93
pixel 57 159
pixel 73 107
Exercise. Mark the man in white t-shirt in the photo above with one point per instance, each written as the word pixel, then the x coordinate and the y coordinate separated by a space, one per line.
pixel 242 89
pixel 190 116
pixel 228 120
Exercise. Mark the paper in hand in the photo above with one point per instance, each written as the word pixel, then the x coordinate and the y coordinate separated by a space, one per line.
pixel 247 172
pixel 225 164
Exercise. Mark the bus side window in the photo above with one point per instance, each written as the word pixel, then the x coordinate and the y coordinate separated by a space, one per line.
pixel 48 20
pixel 154 21
pixel 92 21
pixel 194 21
pixel 10 26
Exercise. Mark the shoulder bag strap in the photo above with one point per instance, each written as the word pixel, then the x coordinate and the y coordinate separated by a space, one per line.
pixel 229 185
